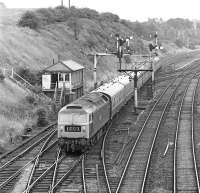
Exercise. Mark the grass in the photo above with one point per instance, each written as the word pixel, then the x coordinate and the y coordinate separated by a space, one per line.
pixel 16 113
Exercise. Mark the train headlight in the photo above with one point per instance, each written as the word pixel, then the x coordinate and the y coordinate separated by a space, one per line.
pixel 83 129
pixel 61 128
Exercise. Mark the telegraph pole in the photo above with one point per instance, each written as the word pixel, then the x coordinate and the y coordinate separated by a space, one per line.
pixel 69 4
pixel 62 3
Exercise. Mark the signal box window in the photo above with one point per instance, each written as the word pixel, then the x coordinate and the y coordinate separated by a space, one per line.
pixel 66 77
pixel 60 77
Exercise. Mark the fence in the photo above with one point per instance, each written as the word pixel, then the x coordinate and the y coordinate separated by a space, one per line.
pixel 10 73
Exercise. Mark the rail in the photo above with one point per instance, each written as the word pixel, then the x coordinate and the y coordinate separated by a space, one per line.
pixel 38 157
pixel 193 148
pixel 175 162
pixel 151 150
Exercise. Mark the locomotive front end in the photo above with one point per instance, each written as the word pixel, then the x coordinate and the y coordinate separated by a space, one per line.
pixel 73 128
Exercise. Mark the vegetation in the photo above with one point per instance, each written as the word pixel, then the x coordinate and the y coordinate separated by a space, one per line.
pixel 180 31
pixel 32 77
pixel 42 117
pixel 29 19
pixel 2 77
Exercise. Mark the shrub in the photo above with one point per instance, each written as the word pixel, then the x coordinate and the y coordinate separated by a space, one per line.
pixel 109 17
pixel 90 43
pixel 127 59
pixel 30 99
pixel 37 89
pixel 29 19
pixel 88 13
pixel 46 16
pixel 28 75
pixel 179 43
pixel 42 117
pixel 61 14
pixel 75 25
pixel 2 77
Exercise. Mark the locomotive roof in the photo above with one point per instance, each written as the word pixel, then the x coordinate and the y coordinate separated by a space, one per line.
pixel 89 103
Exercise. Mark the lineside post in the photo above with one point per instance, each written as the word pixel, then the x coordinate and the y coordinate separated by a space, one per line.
pixel 95 71
pixel 135 78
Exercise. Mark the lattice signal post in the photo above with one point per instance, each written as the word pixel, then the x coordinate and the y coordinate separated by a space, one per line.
pixel 135 78
pixel 119 53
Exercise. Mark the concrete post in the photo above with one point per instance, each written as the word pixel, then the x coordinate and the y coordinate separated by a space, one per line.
pixel 135 90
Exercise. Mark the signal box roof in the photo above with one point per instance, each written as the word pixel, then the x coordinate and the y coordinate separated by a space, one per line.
pixel 64 66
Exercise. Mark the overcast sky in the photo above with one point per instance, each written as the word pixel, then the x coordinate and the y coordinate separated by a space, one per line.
pixel 127 9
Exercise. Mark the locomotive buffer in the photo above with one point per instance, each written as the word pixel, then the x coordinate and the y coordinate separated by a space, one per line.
pixel 135 78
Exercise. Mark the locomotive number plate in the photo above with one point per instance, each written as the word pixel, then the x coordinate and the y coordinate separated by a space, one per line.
pixel 72 128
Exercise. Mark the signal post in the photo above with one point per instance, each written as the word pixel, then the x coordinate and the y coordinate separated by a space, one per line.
pixel 135 78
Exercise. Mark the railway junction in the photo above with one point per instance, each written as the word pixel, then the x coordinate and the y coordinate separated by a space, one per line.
pixel 156 151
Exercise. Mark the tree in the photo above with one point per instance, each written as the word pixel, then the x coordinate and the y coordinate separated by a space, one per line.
pixel 75 25
pixel 29 19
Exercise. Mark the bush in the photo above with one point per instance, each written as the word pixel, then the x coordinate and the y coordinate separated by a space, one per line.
pixel 179 43
pixel 88 13
pixel 109 17
pixel 127 59
pixel 37 89
pixel 28 75
pixel 30 99
pixel 29 19
pixel 46 16
pixel 2 77
pixel 75 25
pixel 42 117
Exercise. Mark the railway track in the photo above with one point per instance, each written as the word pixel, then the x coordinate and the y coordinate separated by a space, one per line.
pixel 59 169
pixel 26 145
pixel 60 174
pixel 185 168
pixel 20 166
pixel 43 161
pixel 141 148
pixel 159 173
pixel 196 130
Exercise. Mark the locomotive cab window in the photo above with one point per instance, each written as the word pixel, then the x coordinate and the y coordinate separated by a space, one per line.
pixel 105 98
pixel 73 107
pixel 90 117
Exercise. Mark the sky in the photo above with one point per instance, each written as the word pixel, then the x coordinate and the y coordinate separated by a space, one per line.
pixel 133 10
